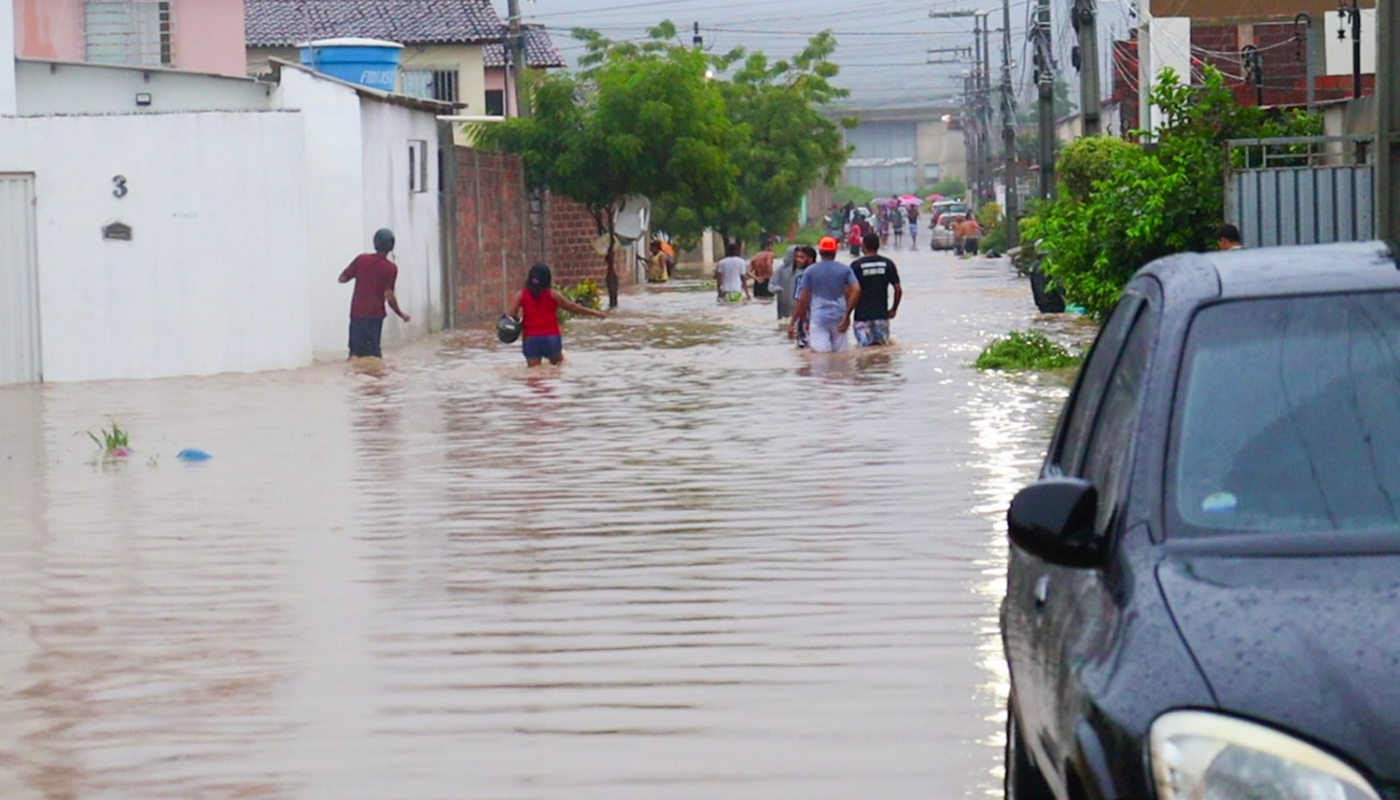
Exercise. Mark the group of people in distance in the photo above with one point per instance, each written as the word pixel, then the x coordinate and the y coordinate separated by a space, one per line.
pixel 823 299
pixel 831 298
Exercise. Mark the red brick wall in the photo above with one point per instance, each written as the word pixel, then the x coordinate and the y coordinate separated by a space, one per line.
pixel 1219 44
pixel 569 244
pixel 492 233
pixel 497 238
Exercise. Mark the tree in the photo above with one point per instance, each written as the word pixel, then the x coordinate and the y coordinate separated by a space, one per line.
pixel 1121 206
pixel 789 144
pixel 639 120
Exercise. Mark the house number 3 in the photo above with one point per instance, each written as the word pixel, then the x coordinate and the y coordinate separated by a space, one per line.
pixel 121 190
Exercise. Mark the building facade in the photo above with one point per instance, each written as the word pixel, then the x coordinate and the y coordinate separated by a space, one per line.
pixel 190 35
pixel 452 48
pixel 1300 41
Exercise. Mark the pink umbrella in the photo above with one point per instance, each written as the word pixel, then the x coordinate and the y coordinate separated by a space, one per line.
pixel 934 197
pixel 910 200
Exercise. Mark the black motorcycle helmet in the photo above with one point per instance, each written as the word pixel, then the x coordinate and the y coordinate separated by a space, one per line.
pixel 507 329
pixel 383 241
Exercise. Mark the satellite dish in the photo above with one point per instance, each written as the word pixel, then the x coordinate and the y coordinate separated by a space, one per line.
pixel 633 218
pixel 600 245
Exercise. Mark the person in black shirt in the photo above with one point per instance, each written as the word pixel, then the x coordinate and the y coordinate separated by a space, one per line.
pixel 876 275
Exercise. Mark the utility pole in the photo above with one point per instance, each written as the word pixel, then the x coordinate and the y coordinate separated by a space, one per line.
pixel 1045 84
pixel 516 53
pixel 1008 131
pixel 1084 16
pixel 1253 62
pixel 1352 14
pixel 984 112
pixel 1388 121
pixel 1304 54
pixel 978 152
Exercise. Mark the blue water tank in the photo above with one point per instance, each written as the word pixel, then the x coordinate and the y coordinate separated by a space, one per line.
pixel 367 62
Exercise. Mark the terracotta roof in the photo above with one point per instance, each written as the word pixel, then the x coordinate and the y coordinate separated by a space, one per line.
pixel 540 52
pixel 279 23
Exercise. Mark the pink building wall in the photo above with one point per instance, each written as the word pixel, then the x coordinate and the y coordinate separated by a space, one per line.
pixel 208 34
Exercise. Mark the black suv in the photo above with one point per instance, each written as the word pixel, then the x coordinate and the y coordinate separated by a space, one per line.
pixel 1203 599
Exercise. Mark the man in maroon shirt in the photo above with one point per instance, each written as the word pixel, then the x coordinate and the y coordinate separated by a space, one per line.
pixel 374 275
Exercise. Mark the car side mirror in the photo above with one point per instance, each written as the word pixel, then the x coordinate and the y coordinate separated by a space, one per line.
pixel 1053 520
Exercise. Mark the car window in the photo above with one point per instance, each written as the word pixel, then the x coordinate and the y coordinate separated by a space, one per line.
pixel 1107 457
pixel 1288 416
pixel 1078 418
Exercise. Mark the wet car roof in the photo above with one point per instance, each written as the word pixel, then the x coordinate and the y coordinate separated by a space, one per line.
pixel 1277 271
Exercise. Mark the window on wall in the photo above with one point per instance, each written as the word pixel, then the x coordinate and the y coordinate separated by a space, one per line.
pixel 417 166
pixel 431 84
pixel 496 103
pixel 137 32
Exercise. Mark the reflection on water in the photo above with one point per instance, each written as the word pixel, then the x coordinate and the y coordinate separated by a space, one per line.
pixel 690 562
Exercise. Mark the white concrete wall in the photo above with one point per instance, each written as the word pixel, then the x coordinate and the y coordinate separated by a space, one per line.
pixel 214 279
pixel 335 194
pixel 413 216
pixel 1340 52
pixel 46 87
pixel 357 159
pixel 1164 42
pixel 7 57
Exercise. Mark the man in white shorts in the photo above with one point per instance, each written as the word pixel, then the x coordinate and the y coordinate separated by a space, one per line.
pixel 829 294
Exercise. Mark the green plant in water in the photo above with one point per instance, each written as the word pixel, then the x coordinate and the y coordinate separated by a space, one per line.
pixel 1026 350
pixel 112 439
pixel 586 293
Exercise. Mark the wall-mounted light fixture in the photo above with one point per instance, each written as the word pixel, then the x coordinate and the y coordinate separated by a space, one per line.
pixel 143 99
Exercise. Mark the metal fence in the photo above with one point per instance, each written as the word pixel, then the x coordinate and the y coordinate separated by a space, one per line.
pixel 1301 190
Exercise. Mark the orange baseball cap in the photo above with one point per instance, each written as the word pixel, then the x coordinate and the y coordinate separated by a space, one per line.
pixel 828 244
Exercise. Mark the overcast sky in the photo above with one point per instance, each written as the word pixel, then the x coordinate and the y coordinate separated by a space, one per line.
pixel 883 44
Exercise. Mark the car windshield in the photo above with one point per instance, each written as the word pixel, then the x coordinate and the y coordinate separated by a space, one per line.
pixel 1288 417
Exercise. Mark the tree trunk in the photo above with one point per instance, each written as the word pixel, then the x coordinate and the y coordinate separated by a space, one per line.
pixel 612 258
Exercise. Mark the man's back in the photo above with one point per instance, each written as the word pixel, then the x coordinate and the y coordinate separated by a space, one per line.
pixel 374 277
pixel 731 273
pixel 826 283
pixel 876 273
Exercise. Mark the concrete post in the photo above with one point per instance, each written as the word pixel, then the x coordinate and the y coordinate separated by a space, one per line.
pixel 1086 24
pixel 1045 83
pixel 1008 131
pixel 8 101
pixel 516 55
pixel 1388 120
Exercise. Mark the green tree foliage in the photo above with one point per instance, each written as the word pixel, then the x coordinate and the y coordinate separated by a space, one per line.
pixel 789 144
pixel 1121 206
pixel 640 119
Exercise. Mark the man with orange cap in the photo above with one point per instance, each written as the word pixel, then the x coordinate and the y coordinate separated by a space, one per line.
pixel 827 293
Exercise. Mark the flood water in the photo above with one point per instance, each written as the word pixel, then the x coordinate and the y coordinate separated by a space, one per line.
pixel 691 563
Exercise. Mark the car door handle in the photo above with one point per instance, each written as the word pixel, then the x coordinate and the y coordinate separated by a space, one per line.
pixel 1042 591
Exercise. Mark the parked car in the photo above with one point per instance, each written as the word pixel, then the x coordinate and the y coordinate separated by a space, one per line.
pixel 942 207
pixel 1203 583
pixel 943 237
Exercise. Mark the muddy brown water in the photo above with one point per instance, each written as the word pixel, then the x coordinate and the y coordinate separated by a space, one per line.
pixel 691 563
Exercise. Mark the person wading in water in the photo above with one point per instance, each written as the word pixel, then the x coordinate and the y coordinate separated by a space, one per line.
pixel 537 308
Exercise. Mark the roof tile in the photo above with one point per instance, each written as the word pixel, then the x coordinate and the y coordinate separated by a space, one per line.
pixel 540 52
pixel 280 23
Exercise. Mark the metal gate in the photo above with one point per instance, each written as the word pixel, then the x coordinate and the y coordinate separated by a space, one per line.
pixel 19 282
pixel 1301 190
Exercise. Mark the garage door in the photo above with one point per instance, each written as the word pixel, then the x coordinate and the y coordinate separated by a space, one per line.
pixel 19 282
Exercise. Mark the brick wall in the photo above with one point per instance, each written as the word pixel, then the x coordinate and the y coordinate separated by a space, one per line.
pixel 569 244
pixel 496 237
pixel 1219 44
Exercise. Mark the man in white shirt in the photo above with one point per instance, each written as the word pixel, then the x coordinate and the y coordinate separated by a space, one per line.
pixel 731 275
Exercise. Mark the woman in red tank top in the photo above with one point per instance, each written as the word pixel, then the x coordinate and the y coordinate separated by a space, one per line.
pixel 537 308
